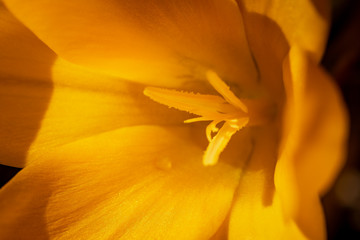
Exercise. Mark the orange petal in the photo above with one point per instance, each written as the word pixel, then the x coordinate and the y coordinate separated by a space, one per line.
pixel 257 212
pixel 47 102
pixel 140 182
pixel 304 23
pixel 313 141
pixel 272 27
pixel 156 42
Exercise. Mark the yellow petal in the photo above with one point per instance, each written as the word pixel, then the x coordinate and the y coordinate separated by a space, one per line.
pixel 304 23
pixel 80 104
pixel 313 142
pixel 25 87
pixel 157 42
pixel 257 211
pixel 85 103
pixel 135 183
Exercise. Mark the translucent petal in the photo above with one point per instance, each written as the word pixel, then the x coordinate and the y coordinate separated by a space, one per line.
pixel 140 182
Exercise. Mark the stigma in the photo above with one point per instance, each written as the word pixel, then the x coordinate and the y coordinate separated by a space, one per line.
pixel 226 109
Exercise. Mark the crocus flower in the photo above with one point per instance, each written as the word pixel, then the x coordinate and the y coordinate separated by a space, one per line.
pixel 86 88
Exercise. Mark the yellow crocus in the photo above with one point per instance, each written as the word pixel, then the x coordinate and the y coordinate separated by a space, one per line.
pixel 85 92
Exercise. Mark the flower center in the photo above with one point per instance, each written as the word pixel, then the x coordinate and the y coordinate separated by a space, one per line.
pixel 235 113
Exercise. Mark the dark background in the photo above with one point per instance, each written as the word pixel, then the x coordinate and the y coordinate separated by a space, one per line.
pixel 342 60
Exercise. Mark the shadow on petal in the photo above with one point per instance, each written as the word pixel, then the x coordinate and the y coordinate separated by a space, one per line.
pixel 322 7
pixel 25 88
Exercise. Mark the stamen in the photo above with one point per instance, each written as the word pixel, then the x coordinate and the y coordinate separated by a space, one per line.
pixel 198 119
pixel 224 90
